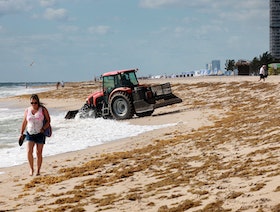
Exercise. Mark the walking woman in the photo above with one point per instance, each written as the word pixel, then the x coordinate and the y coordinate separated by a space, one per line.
pixel 35 126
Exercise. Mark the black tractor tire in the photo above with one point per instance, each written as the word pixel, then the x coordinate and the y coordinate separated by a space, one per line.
pixel 121 106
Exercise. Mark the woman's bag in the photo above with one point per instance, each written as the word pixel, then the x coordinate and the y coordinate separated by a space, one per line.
pixel 48 131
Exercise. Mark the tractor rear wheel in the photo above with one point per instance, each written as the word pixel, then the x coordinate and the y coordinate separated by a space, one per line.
pixel 121 106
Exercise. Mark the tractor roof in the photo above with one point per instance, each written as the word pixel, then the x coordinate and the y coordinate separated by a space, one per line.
pixel 112 73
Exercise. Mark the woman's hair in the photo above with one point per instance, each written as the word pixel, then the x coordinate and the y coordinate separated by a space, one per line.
pixel 36 97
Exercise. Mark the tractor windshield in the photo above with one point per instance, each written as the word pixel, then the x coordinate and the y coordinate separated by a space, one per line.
pixel 108 83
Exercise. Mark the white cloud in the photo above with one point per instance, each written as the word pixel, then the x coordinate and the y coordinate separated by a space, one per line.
pixel 189 20
pixel 14 6
pixel 47 3
pixel 68 28
pixel 55 14
pixel 1 29
pixel 158 3
pixel 249 4
pixel 233 40
pixel 101 30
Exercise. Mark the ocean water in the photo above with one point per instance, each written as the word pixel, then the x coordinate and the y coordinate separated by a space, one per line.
pixel 9 89
pixel 68 135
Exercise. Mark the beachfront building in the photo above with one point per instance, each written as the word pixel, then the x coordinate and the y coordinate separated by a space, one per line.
pixel 208 66
pixel 216 65
pixel 243 67
pixel 275 28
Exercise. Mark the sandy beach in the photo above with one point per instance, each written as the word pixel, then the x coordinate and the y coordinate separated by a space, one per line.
pixel 221 154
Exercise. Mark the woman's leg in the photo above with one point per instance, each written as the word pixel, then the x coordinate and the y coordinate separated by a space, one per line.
pixel 39 148
pixel 30 146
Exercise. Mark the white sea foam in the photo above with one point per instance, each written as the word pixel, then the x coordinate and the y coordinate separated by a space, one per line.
pixel 73 135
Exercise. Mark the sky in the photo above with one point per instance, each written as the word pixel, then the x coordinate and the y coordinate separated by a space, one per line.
pixel 77 40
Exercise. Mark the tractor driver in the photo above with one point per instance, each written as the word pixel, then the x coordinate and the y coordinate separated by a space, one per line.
pixel 126 82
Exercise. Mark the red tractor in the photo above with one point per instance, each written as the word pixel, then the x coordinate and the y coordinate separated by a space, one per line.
pixel 122 97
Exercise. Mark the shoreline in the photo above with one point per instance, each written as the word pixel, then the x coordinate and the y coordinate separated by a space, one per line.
pixel 221 154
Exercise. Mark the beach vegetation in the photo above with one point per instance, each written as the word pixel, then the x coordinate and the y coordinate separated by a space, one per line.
pixel 276 208
pixel 234 148
pixel 182 206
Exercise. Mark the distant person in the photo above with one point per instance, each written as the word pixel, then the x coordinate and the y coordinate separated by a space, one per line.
pixel 35 126
pixel 62 84
pixel 262 73
pixel 57 85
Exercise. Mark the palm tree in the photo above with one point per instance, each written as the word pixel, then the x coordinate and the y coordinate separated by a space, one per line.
pixel 230 65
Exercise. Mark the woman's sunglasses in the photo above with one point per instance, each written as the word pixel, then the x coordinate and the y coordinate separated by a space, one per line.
pixel 34 103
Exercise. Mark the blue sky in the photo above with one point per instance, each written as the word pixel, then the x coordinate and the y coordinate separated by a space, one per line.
pixel 75 40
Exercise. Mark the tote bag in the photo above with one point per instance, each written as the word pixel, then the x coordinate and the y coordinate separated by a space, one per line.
pixel 48 131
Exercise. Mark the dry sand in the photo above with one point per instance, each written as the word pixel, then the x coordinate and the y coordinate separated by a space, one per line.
pixel 222 155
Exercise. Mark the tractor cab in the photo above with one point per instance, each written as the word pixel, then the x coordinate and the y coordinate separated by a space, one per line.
pixel 119 79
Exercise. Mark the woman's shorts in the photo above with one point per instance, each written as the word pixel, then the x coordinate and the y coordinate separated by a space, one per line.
pixel 39 138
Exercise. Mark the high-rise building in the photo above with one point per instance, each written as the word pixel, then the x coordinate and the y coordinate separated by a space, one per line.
pixel 216 65
pixel 274 42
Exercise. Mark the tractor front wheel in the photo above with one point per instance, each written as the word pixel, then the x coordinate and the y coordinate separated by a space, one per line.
pixel 121 106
